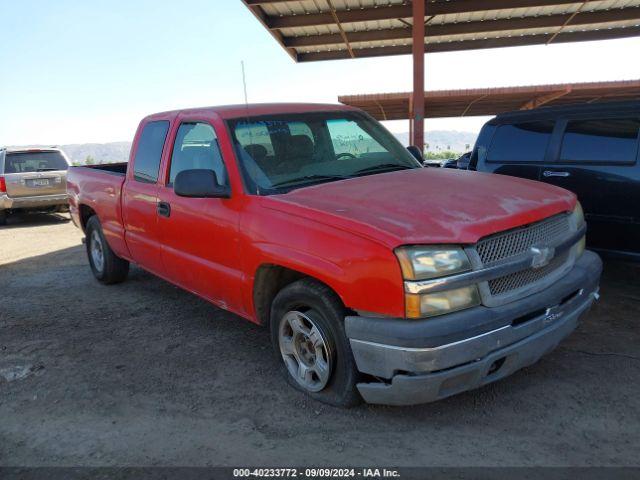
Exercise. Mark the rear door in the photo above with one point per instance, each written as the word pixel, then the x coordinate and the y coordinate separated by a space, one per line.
pixel 140 196
pixel 34 173
pixel 518 149
pixel 597 159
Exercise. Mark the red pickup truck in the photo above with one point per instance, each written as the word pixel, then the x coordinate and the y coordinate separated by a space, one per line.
pixel 378 278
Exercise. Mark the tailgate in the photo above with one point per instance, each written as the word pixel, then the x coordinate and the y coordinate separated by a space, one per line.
pixel 36 183
pixel 35 173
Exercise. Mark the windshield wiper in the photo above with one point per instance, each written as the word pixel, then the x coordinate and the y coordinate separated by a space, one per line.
pixel 382 168
pixel 307 179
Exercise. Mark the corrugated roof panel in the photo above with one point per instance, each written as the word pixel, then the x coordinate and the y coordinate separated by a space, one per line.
pixel 491 101
pixel 301 7
pixel 287 20
pixel 469 36
pixel 529 31
pixel 516 13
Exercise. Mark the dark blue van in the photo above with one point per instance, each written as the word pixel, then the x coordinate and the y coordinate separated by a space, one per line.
pixel 590 149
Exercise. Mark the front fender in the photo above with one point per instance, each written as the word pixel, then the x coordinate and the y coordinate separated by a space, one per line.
pixel 365 274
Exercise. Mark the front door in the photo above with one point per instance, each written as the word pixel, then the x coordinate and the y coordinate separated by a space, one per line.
pixel 597 160
pixel 520 149
pixel 200 235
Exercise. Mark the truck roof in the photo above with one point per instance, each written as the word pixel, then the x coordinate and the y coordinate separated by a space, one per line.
pixel 256 109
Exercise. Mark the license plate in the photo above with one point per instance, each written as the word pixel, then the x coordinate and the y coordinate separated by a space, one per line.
pixel 40 182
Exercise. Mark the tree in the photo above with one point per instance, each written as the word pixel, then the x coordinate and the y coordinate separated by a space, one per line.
pixel 441 155
pixel 89 160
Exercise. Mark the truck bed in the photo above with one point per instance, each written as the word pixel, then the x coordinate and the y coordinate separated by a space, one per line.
pixel 99 189
pixel 113 168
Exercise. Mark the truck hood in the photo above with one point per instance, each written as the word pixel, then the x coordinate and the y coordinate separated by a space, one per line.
pixel 427 205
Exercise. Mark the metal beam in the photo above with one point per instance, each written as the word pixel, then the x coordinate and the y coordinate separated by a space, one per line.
pixel 472 102
pixel 564 37
pixel 263 19
pixel 392 12
pixel 567 22
pixel 541 100
pixel 418 75
pixel 549 21
pixel 339 25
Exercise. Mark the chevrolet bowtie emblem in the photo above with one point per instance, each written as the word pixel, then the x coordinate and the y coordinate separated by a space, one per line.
pixel 542 256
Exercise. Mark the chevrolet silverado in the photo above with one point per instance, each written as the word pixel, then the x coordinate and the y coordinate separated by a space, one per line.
pixel 315 222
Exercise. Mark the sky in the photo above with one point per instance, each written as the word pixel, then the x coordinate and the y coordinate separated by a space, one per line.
pixel 77 71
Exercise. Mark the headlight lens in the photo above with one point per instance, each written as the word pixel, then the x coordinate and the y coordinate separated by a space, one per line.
pixel 432 304
pixel 577 216
pixel 423 263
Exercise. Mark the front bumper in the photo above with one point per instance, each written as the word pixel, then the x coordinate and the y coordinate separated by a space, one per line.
pixel 40 201
pixel 420 361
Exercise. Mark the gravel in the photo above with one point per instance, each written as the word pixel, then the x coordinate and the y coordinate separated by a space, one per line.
pixel 143 373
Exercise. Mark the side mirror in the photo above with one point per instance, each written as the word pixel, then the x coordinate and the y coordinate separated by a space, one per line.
pixel 199 183
pixel 415 151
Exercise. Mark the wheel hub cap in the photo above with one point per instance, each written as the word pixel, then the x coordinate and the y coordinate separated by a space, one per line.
pixel 97 253
pixel 305 351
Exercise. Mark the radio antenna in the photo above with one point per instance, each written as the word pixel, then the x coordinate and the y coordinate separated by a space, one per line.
pixel 244 83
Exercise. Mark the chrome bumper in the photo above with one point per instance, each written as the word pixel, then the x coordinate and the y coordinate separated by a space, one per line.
pixel 502 340
pixel 40 201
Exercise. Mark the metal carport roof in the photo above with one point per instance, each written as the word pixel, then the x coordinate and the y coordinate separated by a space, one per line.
pixel 312 30
pixel 491 101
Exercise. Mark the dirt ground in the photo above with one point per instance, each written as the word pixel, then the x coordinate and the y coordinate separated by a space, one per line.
pixel 143 373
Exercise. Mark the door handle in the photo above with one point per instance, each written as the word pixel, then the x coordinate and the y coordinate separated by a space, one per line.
pixel 551 173
pixel 164 209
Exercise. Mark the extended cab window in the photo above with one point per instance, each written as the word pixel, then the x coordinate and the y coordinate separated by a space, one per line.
pixel 521 142
pixel 196 147
pixel 147 160
pixel 611 140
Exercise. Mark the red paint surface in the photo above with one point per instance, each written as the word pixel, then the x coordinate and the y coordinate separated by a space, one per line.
pixel 342 233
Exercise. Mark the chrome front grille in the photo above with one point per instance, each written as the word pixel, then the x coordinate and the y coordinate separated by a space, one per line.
pixel 503 246
pixel 518 280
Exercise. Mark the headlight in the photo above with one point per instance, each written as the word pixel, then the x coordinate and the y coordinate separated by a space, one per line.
pixel 423 263
pixel 577 221
pixel 432 304
pixel 577 216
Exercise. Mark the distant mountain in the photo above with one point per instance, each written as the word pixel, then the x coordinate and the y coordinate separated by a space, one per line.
pixel 100 152
pixel 438 140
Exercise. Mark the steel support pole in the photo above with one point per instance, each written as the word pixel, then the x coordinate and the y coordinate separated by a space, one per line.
pixel 417 138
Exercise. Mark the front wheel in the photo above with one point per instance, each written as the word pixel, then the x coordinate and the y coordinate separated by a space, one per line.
pixel 106 266
pixel 307 332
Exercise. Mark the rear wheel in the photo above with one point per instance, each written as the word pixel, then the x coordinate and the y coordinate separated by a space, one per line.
pixel 106 266
pixel 307 332
pixel 3 217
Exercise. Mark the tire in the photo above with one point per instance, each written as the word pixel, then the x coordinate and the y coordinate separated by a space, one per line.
pixel 317 343
pixel 106 266
pixel 3 217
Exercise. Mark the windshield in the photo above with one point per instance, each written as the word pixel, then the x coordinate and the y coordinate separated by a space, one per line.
pixel 282 152
pixel 19 162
